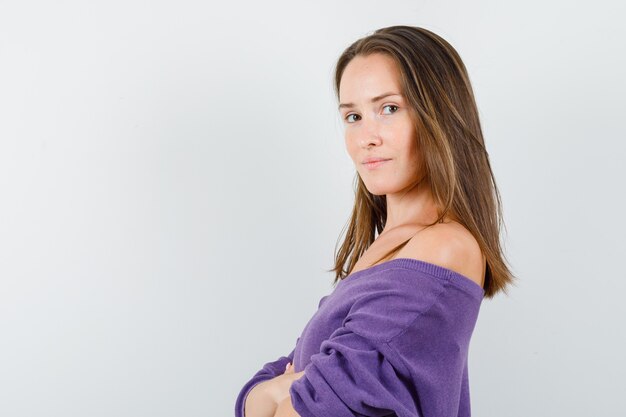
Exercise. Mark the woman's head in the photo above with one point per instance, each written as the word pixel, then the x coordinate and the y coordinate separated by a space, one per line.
pixel 430 131
pixel 378 124
pixel 436 91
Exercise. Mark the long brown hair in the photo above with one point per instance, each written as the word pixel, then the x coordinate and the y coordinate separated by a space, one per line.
pixel 435 83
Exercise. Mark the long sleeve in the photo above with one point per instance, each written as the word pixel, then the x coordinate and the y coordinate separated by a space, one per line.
pixel 352 376
pixel 268 371
pixel 401 350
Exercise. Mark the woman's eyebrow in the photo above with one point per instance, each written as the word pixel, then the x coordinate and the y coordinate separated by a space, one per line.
pixel 373 100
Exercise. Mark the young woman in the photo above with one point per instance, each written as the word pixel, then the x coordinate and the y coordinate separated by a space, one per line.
pixel 421 251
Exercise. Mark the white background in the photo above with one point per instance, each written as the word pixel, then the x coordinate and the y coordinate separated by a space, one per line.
pixel 173 181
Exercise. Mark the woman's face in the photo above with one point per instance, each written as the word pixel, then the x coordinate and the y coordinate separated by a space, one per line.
pixel 377 124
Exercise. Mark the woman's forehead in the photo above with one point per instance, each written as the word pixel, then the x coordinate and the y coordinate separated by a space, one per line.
pixel 368 77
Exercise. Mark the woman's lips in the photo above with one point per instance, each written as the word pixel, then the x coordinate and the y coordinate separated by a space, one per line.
pixel 376 164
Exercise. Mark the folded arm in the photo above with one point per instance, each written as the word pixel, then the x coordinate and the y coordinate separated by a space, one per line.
pixel 285 409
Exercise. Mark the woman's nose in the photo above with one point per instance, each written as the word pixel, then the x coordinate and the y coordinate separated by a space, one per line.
pixel 370 135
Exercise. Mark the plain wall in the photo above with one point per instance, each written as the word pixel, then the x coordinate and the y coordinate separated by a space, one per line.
pixel 173 181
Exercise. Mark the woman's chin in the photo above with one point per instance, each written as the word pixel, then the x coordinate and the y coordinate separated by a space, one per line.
pixel 377 190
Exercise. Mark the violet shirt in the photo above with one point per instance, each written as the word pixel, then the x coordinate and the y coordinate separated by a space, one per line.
pixel 391 339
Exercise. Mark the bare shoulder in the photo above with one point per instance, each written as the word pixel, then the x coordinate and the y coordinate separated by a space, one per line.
pixel 451 246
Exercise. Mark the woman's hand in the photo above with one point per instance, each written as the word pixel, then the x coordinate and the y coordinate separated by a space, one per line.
pixel 278 387
pixel 265 397
pixel 285 409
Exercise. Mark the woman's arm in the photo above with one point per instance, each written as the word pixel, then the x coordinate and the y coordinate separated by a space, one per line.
pixel 285 409
pixel 265 397
pixel 267 372
pixel 259 403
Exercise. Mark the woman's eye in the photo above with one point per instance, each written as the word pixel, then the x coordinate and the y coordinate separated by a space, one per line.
pixel 391 105
pixel 348 117
pixel 388 105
